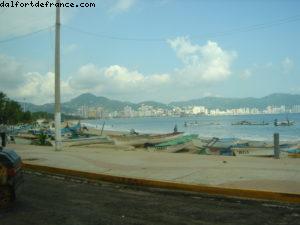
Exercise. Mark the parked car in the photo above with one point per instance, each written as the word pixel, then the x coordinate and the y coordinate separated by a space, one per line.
pixel 11 177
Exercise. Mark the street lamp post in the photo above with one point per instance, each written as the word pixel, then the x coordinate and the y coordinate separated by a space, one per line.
pixel 57 80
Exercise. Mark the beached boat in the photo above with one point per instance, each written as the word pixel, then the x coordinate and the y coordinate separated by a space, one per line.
pixel 175 145
pixel 216 146
pixel 253 151
pixel 222 147
pixel 68 142
pixel 144 139
pixel 293 151
pixel 259 148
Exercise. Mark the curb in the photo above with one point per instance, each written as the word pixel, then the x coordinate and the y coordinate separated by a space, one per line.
pixel 229 192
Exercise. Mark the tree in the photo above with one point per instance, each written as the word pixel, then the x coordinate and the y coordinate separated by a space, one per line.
pixel 11 112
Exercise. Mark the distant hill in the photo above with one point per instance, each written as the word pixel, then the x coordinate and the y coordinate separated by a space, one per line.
pixel 230 103
pixel 86 99
pixel 156 104
pixel 91 100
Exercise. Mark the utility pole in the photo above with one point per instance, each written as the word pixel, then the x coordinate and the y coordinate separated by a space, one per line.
pixel 57 80
pixel 24 105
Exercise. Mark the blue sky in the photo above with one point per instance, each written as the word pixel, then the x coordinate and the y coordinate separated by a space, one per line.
pixel 178 50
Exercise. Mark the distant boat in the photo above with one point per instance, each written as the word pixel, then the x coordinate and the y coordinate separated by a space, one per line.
pixel 249 123
pixel 175 145
pixel 287 122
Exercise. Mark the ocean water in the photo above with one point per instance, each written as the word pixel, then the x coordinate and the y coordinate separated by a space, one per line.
pixel 208 126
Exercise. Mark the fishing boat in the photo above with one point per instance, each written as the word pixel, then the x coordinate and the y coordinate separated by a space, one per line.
pixel 222 146
pixel 287 122
pixel 253 151
pixel 144 139
pixel 68 142
pixel 259 148
pixel 249 123
pixel 293 151
pixel 175 145
pixel 216 146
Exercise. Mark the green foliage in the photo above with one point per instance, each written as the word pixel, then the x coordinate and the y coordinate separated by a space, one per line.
pixel 42 139
pixel 11 111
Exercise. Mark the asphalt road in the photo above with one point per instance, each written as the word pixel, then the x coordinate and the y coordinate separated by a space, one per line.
pixel 49 200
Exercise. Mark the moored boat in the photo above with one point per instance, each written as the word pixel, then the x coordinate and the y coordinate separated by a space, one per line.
pixel 285 123
pixel 249 123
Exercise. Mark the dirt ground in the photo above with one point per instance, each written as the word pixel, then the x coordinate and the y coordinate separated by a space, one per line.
pixel 55 200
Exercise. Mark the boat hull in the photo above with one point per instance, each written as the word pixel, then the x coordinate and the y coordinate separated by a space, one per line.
pixel 173 148
pixel 143 139
pixel 263 152
pixel 84 141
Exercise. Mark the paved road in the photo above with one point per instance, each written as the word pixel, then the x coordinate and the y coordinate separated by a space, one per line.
pixel 52 200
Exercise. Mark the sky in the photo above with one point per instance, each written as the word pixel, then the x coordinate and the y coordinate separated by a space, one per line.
pixel 161 50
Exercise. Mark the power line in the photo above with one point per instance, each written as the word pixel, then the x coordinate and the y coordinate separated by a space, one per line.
pixel 212 35
pixel 24 35
pixel 106 36
pixel 255 27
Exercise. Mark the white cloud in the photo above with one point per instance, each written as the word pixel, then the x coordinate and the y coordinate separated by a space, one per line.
pixel 120 6
pixel 39 88
pixel 287 65
pixel 246 74
pixel 22 20
pixel 207 63
pixel 202 66
pixel 116 80
pixel 33 86
pixel 11 74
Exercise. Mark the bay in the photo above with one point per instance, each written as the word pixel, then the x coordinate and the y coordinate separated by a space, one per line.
pixel 208 126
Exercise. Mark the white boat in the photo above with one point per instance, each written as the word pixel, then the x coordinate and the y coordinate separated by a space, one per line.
pixel 85 141
pixel 173 148
pixel 144 139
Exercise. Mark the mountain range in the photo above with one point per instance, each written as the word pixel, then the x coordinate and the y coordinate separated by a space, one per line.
pixel 91 100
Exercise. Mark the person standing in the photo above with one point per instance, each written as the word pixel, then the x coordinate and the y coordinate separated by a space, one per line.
pixel 3 134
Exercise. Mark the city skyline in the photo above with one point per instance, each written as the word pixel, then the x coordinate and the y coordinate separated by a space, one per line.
pixel 90 106
pixel 150 111
pixel 153 50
